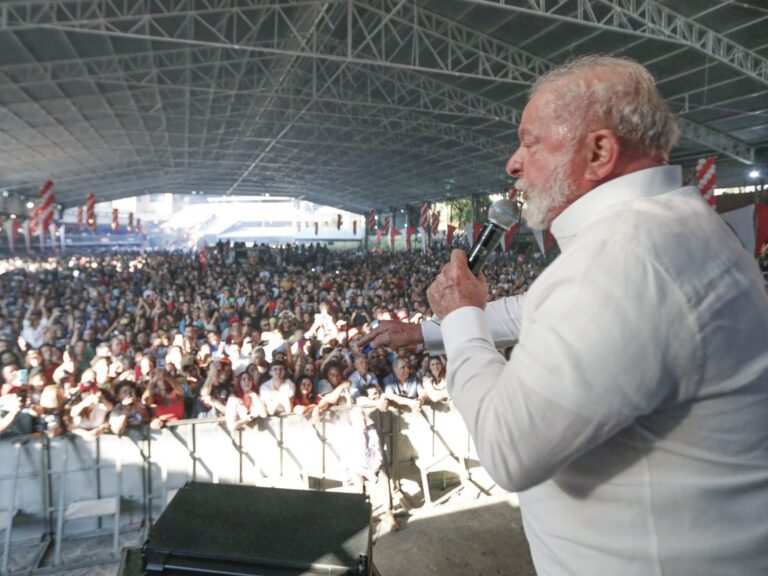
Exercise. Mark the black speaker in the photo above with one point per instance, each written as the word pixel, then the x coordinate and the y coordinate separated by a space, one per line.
pixel 238 530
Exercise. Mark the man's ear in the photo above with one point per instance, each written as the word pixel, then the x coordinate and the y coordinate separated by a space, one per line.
pixel 603 149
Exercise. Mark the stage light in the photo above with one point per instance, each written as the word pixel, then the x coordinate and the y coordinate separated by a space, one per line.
pixel 30 204
pixel 754 174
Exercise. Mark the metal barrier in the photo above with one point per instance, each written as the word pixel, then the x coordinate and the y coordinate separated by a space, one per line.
pixel 141 470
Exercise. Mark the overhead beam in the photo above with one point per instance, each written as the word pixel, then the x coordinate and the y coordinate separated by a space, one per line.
pixel 645 18
pixel 407 38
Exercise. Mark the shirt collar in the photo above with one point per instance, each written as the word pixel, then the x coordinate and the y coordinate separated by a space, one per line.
pixel 643 183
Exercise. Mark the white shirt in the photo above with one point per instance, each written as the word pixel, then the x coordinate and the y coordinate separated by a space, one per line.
pixel 281 396
pixel 633 413
pixel 35 337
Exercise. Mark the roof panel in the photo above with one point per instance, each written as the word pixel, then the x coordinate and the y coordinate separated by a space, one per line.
pixel 419 97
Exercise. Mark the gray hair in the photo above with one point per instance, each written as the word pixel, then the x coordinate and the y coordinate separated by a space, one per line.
pixel 617 93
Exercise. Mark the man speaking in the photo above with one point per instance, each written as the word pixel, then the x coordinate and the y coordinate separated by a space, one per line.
pixel 632 415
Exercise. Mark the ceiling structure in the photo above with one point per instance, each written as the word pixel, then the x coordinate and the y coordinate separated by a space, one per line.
pixel 356 104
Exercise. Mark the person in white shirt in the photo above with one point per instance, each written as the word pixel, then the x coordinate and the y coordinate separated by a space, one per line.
pixel 35 323
pixel 278 392
pixel 631 415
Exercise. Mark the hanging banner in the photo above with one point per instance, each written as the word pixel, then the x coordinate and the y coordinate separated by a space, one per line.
pixel 424 216
pixel 48 199
pixel 408 233
pixel 472 230
pixel 435 223
pixel 761 232
pixel 12 227
pixel 41 232
pixel 385 226
pixel 706 178
pixel 544 239
pixel 509 235
pixel 372 221
pixel 42 212
pixel 392 234
pixel 27 238
pixel 449 235
pixel 115 220
pixel 52 236
pixel 90 211
pixel 378 239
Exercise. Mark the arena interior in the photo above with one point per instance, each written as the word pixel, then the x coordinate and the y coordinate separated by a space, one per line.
pixel 207 204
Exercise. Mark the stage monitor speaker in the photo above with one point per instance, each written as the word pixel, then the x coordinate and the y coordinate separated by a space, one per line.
pixel 239 530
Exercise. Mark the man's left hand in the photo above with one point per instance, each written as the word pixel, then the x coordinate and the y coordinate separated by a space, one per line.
pixel 456 287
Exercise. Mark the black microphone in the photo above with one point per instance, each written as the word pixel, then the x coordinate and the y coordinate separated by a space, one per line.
pixel 501 216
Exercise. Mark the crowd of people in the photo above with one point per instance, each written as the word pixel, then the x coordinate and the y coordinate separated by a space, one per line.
pixel 104 343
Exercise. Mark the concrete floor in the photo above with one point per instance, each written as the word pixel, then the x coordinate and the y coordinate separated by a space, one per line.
pixel 480 537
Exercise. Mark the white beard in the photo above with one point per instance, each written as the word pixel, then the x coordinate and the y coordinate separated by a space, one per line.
pixel 540 203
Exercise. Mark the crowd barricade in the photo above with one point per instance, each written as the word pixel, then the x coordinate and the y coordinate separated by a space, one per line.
pixel 281 451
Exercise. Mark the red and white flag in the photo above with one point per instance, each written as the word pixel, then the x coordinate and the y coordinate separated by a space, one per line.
pixel 115 220
pixel 385 227
pixel 392 234
pixel 424 221
pixel 42 214
pixel 435 222
pixel 90 211
pixel 706 178
pixel 372 221
pixel 48 199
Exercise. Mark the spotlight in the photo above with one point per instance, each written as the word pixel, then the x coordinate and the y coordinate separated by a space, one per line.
pixel 754 174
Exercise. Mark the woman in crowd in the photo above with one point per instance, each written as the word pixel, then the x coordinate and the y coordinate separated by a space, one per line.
pixel 306 399
pixel 128 410
pixel 434 381
pixel 164 398
pixel 244 405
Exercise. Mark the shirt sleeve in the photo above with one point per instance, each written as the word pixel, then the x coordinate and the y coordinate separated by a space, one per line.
pixel 504 318
pixel 589 361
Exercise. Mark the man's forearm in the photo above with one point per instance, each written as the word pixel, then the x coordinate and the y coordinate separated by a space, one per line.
pixel 504 318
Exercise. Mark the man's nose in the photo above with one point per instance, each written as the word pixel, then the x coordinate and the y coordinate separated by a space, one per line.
pixel 515 164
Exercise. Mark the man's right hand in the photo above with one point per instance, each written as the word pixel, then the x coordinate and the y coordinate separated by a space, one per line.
pixel 392 334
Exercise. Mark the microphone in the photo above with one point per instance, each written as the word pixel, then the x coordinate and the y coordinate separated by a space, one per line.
pixel 501 216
